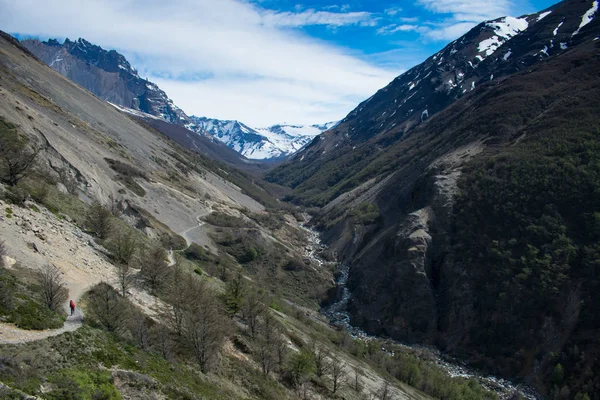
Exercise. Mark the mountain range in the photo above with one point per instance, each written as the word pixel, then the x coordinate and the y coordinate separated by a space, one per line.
pixel 110 76
pixel 456 196
pixel 270 143
pixel 458 209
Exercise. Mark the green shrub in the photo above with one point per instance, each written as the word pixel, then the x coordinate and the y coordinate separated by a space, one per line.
pixel 366 213
pixel 248 256
pixel 28 314
pixel 195 252
pixel 71 384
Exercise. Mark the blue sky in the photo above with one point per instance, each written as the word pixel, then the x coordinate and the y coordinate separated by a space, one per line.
pixel 263 61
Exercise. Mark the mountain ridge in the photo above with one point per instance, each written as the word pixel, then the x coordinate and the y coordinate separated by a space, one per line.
pixel 443 201
pixel 111 77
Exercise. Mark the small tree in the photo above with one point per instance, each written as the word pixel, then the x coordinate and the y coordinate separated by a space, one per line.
pixel 281 348
pixel 234 295
pixel 53 287
pixel 125 275
pixel 266 344
pixel 108 309
pixel 301 366
pixel 161 340
pixel 69 181
pixel 385 392
pixel 253 308
pixel 99 220
pixel 337 372
pixel 16 158
pixel 6 288
pixel 179 284
pixel 204 326
pixel 357 381
pixel 124 245
pixel 154 267
pixel 321 356
pixel 139 326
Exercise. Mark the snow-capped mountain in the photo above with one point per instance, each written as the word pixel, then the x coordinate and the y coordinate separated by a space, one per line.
pixel 109 75
pixel 483 57
pixel 273 142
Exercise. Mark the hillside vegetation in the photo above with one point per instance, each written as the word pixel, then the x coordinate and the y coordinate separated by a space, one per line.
pixel 475 229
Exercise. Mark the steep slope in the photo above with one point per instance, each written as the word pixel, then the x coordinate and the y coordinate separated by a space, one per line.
pixel 110 76
pixel 488 52
pixel 83 135
pixel 458 223
pixel 178 242
pixel 107 74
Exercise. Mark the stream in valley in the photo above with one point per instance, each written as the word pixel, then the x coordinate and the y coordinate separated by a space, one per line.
pixel 338 315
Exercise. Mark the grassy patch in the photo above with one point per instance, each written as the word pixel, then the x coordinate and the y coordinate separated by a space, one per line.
pixel 76 362
pixel 21 304
pixel 126 174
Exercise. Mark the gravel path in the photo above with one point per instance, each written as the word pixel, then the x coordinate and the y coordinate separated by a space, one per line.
pixel 9 334
pixel 196 234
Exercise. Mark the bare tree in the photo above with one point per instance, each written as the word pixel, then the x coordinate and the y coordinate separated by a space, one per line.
pixel 357 384
pixel 337 372
pixel 177 295
pixel 99 220
pixel 281 348
pixel 154 267
pixel 204 326
pixel 53 287
pixel 266 346
pixel 16 158
pixel 125 275
pixel 321 356
pixel 253 308
pixel 124 245
pixel 384 392
pixel 139 326
pixel 160 337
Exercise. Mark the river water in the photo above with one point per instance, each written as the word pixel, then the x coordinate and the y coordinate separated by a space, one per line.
pixel 338 315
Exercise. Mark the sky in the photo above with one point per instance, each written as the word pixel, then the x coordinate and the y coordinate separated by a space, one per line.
pixel 263 61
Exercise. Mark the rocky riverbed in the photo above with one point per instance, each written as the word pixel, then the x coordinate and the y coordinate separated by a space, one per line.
pixel 338 315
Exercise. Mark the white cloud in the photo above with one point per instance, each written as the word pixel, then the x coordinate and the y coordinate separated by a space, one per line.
pixel 393 11
pixel 254 65
pixel 312 17
pixel 408 19
pixel 391 29
pixel 462 15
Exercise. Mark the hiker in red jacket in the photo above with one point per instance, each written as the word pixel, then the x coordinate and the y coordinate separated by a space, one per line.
pixel 72 305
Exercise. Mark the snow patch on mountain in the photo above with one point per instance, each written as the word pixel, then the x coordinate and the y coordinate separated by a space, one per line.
pixel 504 29
pixel 587 17
pixel 258 143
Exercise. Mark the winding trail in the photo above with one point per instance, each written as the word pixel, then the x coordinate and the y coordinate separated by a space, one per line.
pixel 10 334
pixel 186 234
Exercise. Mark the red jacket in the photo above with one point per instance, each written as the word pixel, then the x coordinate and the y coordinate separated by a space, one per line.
pixel 72 304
